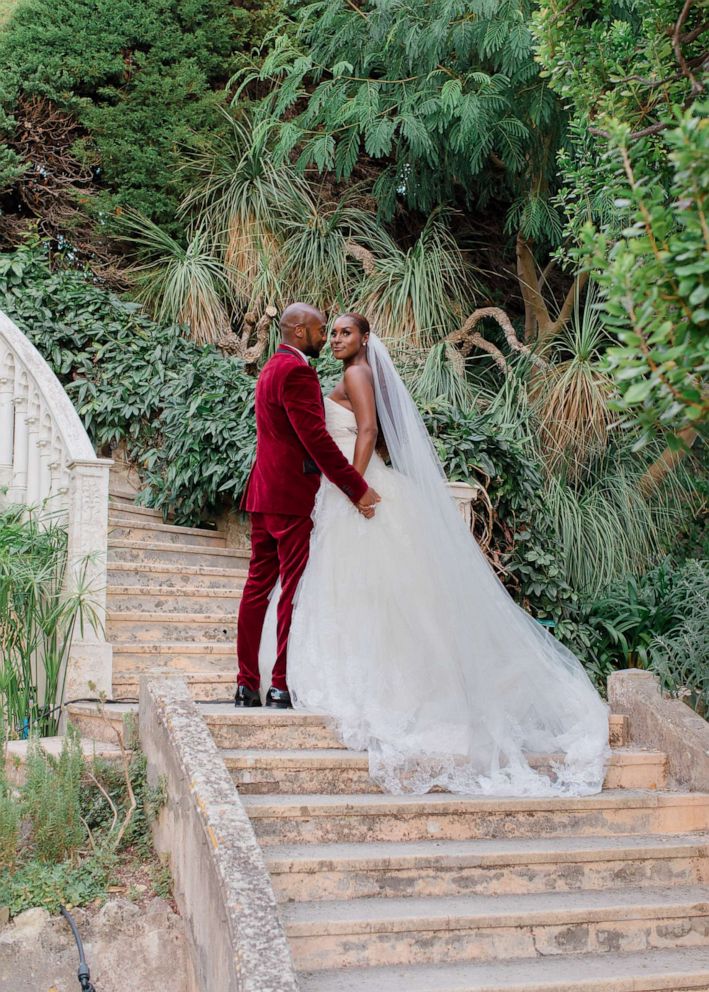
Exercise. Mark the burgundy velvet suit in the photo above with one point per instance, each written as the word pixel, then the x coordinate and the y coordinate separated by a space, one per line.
pixel 293 448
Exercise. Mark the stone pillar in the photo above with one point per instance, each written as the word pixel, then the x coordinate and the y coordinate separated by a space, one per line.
pixel 464 496
pixel 18 486
pixel 33 491
pixel 90 658
pixel 7 426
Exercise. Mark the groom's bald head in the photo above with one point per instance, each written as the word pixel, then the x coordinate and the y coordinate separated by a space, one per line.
pixel 304 327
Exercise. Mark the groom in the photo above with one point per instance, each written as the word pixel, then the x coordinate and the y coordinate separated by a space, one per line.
pixel 293 449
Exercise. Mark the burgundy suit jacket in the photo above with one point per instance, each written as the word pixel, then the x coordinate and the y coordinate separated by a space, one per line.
pixel 293 446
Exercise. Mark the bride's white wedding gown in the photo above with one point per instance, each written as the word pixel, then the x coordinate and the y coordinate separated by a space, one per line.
pixel 426 662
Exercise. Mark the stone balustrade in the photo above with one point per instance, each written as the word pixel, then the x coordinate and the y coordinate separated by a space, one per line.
pixel 47 461
pixel 464 496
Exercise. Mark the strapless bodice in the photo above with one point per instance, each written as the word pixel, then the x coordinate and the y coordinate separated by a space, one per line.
pixel 341 423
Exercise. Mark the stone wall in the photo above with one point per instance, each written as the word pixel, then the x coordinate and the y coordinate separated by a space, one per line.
pixel 221 883
pixel 667 724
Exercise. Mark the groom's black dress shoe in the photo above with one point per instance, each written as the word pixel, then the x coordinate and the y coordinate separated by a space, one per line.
pixel 279 698
pixel 246 697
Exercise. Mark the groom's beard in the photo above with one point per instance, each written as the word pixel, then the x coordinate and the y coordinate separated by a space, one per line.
pixel 311 351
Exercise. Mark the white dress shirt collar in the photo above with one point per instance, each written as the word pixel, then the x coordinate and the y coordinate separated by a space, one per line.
pixel 296 351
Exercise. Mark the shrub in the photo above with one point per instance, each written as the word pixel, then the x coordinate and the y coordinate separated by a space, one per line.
pixel 143 81
pixel 50 798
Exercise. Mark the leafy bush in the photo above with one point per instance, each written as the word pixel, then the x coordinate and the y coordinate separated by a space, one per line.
pixel 658 621
pixel 142 79
pixel 50 798
pixel 185 411
pixel 206 437
pixel 442 98
pixel 680 656
pixel 65 803
pixel 38 618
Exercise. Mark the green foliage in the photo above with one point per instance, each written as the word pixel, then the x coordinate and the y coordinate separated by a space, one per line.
pixel 38 617
pixel 656 284
pixel 444 96
pixel 9 813
pixel 140 79
pixel 207 437
pixel 64 802
pixel 605 526
pixel 99 814
pixel 658 621
pixel 179 282
pixel 69 883
pixel 634 191
pixel 185 411
pixel 421 294
pixel 680 655
pixel 50 798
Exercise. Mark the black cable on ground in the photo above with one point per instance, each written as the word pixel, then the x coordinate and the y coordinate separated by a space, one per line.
pixel 83 973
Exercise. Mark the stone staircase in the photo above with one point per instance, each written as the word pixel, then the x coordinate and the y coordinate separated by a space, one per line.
pixel 172 600
pixel 433 893
pixel 449 894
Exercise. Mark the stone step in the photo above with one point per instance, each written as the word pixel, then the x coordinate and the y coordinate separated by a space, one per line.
pixel 164 533
pixel 16 763
pixel 296 729
pixel 376 932
pixel 175 657
pixel 485 867
pixel 299 819
pixel 271 728
pixel 198 577
pixel 335 771
pixel 119 495
pixel 120 549
pixel 102 723
pixel 684 969
pixel 177 599
pixel 208 685
pixel 162 626
pixel 125 510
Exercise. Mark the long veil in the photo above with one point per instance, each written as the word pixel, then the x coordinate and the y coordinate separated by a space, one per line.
pixel 520 714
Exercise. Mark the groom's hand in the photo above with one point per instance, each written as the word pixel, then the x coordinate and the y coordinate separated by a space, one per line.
pixel 368 502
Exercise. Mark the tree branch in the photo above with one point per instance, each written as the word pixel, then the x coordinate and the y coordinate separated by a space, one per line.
pixel 469 338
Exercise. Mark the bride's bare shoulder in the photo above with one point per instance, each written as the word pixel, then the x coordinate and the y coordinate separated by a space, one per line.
pixel 359 375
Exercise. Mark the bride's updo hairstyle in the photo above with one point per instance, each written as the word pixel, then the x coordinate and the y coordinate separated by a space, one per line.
pixel 359 320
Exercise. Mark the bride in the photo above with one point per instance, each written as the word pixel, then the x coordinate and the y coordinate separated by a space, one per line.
pixel 404 635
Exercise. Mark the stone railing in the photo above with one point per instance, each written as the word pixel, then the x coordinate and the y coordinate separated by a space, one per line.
pixel 658 721
pixel 47 461
pixel 464 496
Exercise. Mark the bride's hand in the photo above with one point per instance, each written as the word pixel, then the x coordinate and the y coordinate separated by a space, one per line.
pixel 368 502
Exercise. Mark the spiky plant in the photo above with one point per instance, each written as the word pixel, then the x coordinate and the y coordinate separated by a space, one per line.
pixel 38 617
pixel 179 283
pixel 571 394
pixel 320 240
pixel 238 196
pixel 423 293
pixel 605 526
pixel 442 378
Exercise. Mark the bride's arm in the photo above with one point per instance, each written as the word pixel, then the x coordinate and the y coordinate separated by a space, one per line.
pixel 360 393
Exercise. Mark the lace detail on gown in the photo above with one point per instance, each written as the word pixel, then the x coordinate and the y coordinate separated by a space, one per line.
pixel 427 663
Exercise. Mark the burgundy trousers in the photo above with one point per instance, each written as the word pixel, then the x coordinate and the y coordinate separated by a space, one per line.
pixel 280 545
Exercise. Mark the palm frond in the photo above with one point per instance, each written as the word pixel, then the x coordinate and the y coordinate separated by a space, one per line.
pixel 421 294
pixel 183 284
pixel 571 395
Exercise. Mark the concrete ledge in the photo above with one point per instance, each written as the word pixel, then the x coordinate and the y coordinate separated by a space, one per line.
pixel 221 882
pixel 667 724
